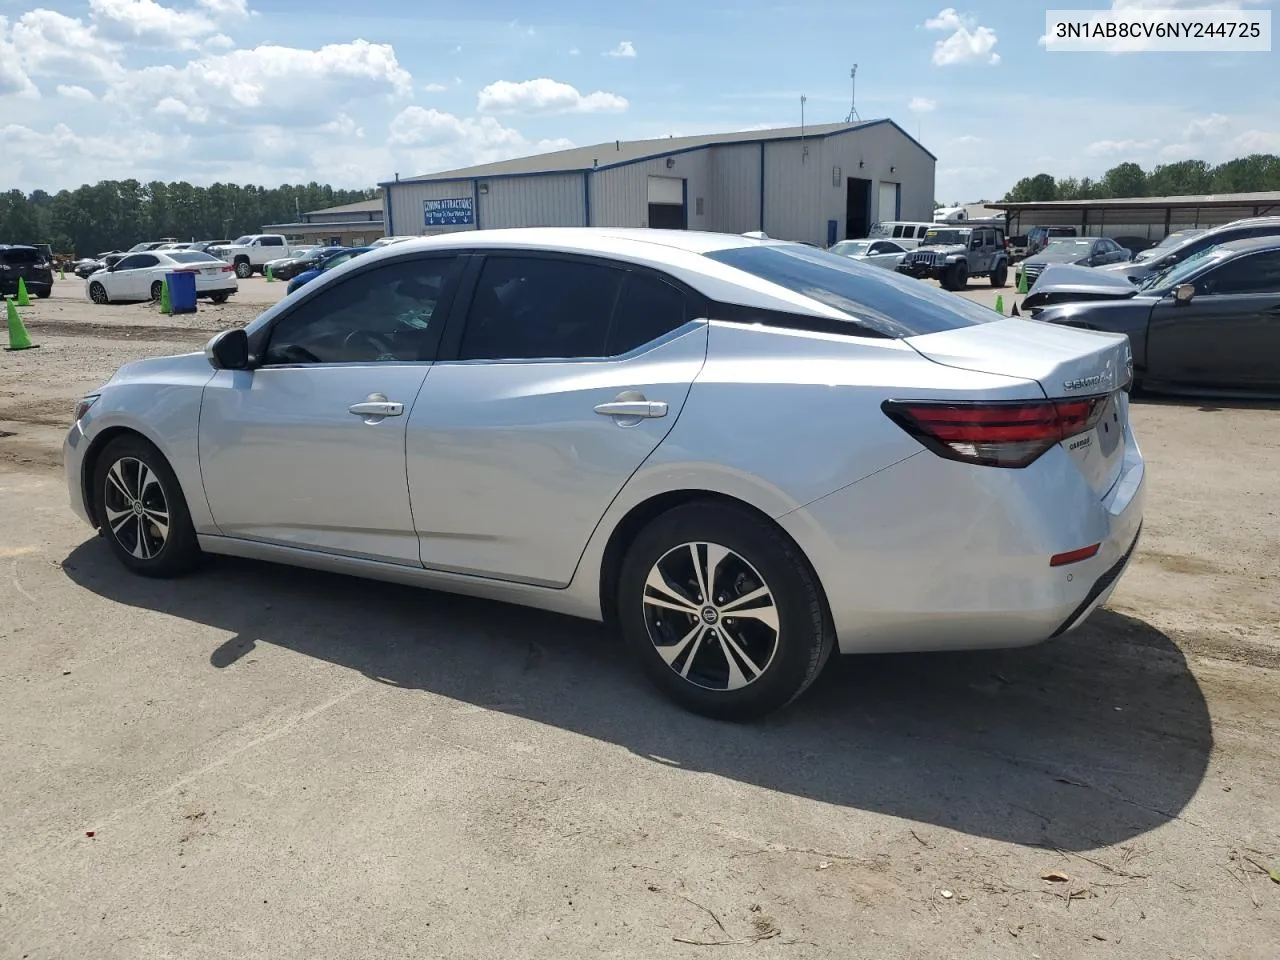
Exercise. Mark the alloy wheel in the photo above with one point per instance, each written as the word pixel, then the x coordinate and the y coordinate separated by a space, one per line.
pixel 711 616
pixel 136 510
pixel 98 293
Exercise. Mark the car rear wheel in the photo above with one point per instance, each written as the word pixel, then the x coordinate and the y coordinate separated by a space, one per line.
pixel 157 290
pixel 723 611
pixel 219 297
pixel 244 270
pixel 98 293
pixel 1000 275
pixel 141 510
pixel 44 293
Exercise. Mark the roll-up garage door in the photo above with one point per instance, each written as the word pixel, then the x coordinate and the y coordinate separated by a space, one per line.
pixel 888 209
pixel 666 203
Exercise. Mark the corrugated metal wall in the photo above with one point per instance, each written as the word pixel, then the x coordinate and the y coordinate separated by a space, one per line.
pixel 406 216
pixel 733 202
pixel 545 201
pixel 802 191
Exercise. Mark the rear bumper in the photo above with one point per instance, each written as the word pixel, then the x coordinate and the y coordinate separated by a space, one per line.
pixel 36 284
pixel 935 555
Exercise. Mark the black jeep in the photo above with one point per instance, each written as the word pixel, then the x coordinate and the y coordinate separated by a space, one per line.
pixel 953 254
pixel 28 263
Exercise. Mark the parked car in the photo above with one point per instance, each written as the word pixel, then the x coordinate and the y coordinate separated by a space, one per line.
pixel 249 254
pixel 905 233
pixel 577 446
pixel 951 255
pixel 1211 321
pixel 1172 240
pixel 878 253
pixel 1174 254
pixel 1085 251
pixel 301 260
pixel 139 276
pixel 1135 245
pixel 387 241
pixel 202 246
pixel 148 245
pixel 26 263
pixel 329 262
pixel 1038 237
pixel 1017 247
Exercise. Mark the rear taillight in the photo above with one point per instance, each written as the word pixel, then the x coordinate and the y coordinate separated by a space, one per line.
pixel 1000 434
pixel 227 268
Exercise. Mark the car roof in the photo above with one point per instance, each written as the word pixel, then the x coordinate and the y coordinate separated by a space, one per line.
pixel 1251 244
pixel 587 240
pixel 16 246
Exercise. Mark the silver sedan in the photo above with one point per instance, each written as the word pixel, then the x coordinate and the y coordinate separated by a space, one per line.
pixel 743 453
pixel 877 253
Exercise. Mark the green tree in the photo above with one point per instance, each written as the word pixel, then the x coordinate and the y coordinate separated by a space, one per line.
pixel 1037 189
pixel 1124 180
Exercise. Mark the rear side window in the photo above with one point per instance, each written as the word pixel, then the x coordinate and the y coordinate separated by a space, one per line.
pixel 648 309
pixel 272 242
pixel 534 308
pixel 886 303
pixel 191 256
pixel 19 257
pixel 897 231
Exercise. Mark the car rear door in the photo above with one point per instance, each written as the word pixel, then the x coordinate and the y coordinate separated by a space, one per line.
pixel 557 380
pixel 307 449
pixel 1228 336
pixel 132 277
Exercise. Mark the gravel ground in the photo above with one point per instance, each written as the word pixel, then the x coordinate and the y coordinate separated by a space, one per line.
pixel 263 762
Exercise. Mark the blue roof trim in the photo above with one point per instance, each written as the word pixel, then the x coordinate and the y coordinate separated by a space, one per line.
pixel 674 153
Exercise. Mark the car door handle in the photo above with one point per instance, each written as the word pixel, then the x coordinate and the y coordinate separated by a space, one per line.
pixel 642 409
pixel 376 406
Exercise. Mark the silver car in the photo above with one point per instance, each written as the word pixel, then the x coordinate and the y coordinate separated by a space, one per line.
pixel 744 453
pixel 877 253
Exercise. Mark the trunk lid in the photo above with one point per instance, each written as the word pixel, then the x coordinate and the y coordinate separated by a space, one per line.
pixel 1068 364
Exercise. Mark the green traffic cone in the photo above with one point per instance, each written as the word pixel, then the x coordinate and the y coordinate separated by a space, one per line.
pixel 1000 304
pixel 166 305
pixel 62 273
pixel 19 339
pixel 270 276
pixel 24 300
pixel 1022 283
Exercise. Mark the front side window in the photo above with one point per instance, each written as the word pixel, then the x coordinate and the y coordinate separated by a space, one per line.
pixel 384 314
pixel 1255 273
pixel 533 308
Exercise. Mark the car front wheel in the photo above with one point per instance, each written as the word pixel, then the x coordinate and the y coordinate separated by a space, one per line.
pixel 98 293
pixel 723 611
pixel 141 509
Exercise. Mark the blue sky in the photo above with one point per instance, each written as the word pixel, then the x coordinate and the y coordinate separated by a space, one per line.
pixel 268 91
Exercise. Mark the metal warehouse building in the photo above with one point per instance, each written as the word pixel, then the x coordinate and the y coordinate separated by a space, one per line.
pixel 1151 217
pixel 819 184
pixel 352 224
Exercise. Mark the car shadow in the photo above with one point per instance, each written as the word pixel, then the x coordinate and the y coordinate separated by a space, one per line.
pixel 1089 740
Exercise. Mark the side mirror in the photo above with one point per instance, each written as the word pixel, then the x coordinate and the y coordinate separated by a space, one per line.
pixel 228 350
pixel 1184 292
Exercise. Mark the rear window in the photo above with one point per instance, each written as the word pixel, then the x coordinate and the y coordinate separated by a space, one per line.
pixel 20 256
pixel 191 256
pixel 888 303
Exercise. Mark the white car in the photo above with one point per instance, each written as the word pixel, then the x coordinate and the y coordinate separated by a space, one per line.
pixel 876 253
pixel 387 241
pixel 139 276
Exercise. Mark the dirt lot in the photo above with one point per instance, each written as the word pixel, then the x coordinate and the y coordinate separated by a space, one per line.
pixel 267 763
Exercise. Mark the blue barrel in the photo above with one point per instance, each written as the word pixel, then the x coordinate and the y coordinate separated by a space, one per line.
pixel 182 291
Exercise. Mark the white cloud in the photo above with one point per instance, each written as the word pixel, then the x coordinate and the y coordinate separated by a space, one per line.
pixel 231 8
pixel 62 156
pixel 1111 148
pixel 53 45
pixel 219 41
pixel 1256 141
pixel 574 51
pixel 270 84
pixel 545 95
pixel 922 105
pixel 1212 127
pixel 966 139
pixel 434 87
pixel 966 44
pixel 434 140
pixel 13 77
pixel 626 50
pixel 72 92
pixel 147 22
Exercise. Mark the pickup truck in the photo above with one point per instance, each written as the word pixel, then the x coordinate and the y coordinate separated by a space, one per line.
pixel 250 254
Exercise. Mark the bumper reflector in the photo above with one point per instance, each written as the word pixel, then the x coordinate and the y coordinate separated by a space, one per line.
pixel 1074 556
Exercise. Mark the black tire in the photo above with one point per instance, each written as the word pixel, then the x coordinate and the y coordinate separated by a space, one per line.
pixel 759 557
pixel 959 276
pixel 244 269
pixel 138 542
pixel 1000 275
pixel 98 293
pixel 219 298
pixel 44 294
pixel 157 290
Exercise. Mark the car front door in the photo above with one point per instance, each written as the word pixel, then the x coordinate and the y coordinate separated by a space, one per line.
pixel 307 449
pixel 1229 334
pixel 131 279
pixel 564 375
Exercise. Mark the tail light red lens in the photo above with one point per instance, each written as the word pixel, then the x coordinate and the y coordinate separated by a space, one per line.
pixel 995 434
pixel 227 268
